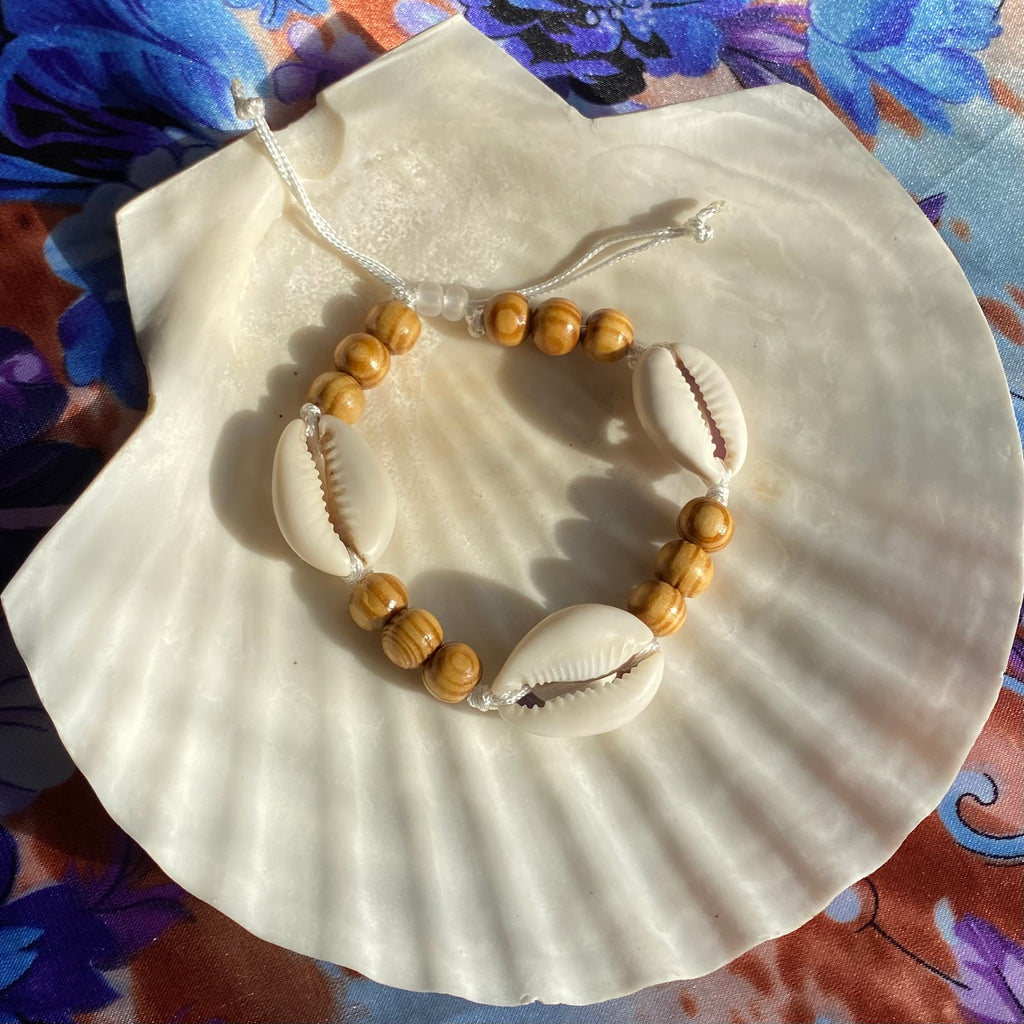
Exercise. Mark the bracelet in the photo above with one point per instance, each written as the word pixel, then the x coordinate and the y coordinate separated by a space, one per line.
pixel 583 670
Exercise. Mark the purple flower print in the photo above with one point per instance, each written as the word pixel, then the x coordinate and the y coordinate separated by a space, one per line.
pixel 993 969
pixel 762 45
pixel 603 50
pixel 57 941
pixel 319 63
pixel 30 398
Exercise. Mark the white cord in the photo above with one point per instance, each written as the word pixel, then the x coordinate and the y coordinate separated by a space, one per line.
pixel 251 108
pixel 483 698
pixel 698 227
pixel 720 491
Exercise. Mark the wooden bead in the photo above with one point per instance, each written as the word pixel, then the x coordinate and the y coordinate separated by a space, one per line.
pixel 395 324
pixel 707 523
pixel 338 394
pixel 556 326
pixel 411 637
pixel 375 599
pixel 451 672
pixel 364 358
pixel 660 607
pixel 608 335
pixel 684 566
pixel 507 318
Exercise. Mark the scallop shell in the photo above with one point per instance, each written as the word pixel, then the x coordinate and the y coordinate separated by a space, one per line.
pixel 592 668
pixel 335 502
pixel 689 410
pixel 826 688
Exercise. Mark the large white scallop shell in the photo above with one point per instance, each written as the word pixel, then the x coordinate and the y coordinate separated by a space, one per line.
pixel 825 690
pixel 338 501
pixel 608 649
pixel 677 390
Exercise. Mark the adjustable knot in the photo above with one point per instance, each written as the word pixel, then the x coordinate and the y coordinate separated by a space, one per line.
pixel 247 108
pixel 701 230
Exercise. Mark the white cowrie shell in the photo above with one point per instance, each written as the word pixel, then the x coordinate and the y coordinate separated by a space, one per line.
pixel 595 644
pixel 677 389
pixel 338 500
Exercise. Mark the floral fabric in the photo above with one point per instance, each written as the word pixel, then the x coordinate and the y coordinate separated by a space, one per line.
pixel 100 99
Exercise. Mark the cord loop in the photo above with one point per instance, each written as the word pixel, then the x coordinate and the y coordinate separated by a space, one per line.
pixel 698 227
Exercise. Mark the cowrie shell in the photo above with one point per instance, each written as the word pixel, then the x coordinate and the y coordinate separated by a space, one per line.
pixel 332 496
pixel 688 408
pixel 591 668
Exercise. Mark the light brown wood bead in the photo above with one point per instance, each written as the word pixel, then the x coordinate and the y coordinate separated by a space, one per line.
pixel 555 326
pixel 660 607
pixel 706 523
pixel 411 637
pixel 395 324
pixel 375 599
pixel 338 394
pixel 451 672
pixel 684 566
pixel 608 335
pixel 363 357
pixel 507 318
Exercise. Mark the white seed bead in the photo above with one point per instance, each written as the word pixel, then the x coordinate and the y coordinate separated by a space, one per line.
pixel 456 298
pixel 429 298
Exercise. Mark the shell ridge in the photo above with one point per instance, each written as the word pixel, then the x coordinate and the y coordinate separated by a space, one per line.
pixel 596 709
pixel 300 505
pixel 669 413
pixel 722 404
pixel 696 377
pixel 337 489
pixel 600 685
pixel 689 400
pixel 360 495
pixel 589 664
pixel 308 479
pixel 688 408
pixel 307 484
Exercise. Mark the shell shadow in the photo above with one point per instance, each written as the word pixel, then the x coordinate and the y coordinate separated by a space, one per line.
pixel 489 616
pixel 240 469
pixel 620 529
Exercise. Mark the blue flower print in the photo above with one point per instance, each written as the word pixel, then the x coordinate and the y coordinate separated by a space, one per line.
pixel 274 13
pixel 49 976
pixel 15 955
pixel 96 330
pixel 87 85
pixel 920 51
pixel 57 941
